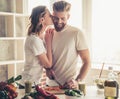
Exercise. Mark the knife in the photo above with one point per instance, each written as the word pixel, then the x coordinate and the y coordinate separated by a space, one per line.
pixel 57 80
pixel 53 77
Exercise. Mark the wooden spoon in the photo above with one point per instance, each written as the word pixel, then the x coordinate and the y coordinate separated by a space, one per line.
pixel 101 69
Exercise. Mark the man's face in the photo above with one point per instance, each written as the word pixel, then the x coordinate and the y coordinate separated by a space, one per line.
pixel 60 20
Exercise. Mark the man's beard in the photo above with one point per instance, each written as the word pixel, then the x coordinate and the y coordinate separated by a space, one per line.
pixel 59 27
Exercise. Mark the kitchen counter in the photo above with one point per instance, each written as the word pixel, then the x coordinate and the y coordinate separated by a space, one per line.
pixel 91 93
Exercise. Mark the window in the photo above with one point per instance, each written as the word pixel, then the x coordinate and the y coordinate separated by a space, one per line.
pixel 76 13
pixel 106 31
pixel 34 3
pixel 76 9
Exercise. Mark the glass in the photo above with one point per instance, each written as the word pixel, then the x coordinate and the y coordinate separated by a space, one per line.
pixel 82 87
pixel 99 82
pixel 28 86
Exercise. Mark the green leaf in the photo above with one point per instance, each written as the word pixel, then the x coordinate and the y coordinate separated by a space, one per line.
pixel 11 80
pixel 18 77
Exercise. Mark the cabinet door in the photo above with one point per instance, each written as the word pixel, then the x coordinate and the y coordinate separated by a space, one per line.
pixel 7 6
pixel 6 26
pixel 21 23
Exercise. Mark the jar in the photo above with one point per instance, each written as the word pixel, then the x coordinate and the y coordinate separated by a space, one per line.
pixel 28 86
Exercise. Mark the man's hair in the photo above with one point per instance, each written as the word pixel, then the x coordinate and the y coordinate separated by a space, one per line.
pixel 61 6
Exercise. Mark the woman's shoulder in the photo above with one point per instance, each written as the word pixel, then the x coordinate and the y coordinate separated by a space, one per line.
pixel 33 38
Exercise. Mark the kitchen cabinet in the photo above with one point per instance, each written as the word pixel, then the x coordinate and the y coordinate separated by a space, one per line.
pixel 13 29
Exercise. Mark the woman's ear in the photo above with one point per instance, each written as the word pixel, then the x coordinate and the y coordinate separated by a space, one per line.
pixel 41 20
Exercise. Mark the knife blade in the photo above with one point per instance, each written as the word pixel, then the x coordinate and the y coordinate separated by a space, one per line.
pixel 55 78
pixel 57 82
pixel 51 72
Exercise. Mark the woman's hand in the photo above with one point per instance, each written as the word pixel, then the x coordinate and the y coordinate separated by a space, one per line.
pixel 48 44
pixel 50 74
pixel 49 35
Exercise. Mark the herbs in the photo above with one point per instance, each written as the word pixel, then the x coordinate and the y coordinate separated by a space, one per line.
pixel 73 92
pixel 12 79
pixel 7 88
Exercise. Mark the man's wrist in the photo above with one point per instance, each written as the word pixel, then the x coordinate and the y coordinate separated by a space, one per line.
pixel 78 80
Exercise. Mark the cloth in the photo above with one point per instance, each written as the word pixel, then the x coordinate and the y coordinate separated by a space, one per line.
pixel 65 57
pixel 33 69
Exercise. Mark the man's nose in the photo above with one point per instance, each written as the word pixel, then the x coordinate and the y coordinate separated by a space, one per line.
pixel 59 21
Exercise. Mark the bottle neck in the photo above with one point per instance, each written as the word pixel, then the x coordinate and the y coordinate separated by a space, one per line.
pixel 112 75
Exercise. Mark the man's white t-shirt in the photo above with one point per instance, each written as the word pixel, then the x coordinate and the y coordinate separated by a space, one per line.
pixel 33 70
pixel 65 57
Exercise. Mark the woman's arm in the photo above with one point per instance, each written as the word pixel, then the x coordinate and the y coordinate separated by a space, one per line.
pixel 46 58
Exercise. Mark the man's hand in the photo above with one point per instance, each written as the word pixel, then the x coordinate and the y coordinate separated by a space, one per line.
pixel 72 84
pixel 50 74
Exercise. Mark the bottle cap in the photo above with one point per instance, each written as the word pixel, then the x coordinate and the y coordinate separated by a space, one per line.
pixel 110 68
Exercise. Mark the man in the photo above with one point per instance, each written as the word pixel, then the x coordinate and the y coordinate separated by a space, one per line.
pixel 68 43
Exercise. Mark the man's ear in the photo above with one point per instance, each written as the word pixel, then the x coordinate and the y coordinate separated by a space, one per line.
pixel 68 16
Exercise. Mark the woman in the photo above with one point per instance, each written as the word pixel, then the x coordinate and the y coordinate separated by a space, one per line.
pixel 37 56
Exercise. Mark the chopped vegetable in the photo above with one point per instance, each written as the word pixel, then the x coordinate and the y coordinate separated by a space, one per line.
pixel 73 92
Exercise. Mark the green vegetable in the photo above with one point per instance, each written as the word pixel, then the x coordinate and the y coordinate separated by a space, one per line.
pixel 77 91
pixel 33 94
pixel 3 95
pixel 73 92
pixel 12 79
pixel 18 77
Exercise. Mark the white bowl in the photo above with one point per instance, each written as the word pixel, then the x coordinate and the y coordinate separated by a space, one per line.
pixel 73 97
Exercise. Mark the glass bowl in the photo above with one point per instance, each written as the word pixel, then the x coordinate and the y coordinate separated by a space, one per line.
pixel 99 81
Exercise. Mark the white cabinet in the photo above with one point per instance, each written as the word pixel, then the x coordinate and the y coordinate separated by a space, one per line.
pixel 13 30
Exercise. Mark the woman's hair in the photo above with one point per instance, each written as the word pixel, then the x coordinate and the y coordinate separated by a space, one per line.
pixel 37 12
pixel 61 6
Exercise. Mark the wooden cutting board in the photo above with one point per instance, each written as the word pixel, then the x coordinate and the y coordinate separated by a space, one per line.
pixel 54 90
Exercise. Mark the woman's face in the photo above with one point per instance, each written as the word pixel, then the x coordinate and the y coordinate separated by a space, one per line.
pixel 47 18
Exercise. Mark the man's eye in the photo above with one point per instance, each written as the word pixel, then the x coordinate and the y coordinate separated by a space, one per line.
pixel 55 18
pixel 63 19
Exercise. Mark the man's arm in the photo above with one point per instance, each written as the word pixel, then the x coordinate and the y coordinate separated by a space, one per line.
pixel 85 56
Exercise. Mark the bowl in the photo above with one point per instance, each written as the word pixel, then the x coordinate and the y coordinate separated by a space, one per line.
pixel 73 94
pixel 99 81
pixel 73 97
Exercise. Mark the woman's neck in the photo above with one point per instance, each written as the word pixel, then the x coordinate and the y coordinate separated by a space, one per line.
pixel 42 33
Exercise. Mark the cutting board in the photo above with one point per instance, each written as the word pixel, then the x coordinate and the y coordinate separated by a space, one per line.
pixel 54 90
